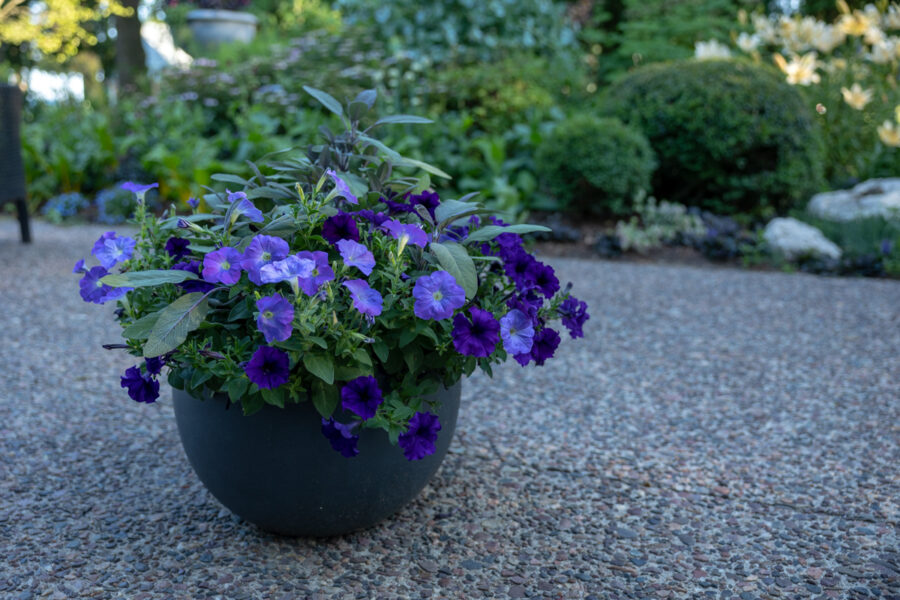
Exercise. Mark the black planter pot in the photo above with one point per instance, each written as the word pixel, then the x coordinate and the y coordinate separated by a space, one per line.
pixel 276 470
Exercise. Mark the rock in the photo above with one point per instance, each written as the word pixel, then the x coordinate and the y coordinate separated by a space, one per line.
pixel 872 198
pixel 794 239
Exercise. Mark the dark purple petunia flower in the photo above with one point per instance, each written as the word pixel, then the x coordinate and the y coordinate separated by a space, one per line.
pixel 154 365
pixel 141 388
pixel 321 272
pixel 192 285
pixel 517 264
pixel 418 441
pixel 94 290
pixel 508 242
pixel 356 255
pixel 545 343
pixel 574 313
pixel 276 318
pixel 430 200
pixel 111 249
pixel 222 266
pixel 454 233
pixel 177 247
pixel 343 190
pixel 138 188
pixel 529 303
pixel 365 299
pixel 375 218
pixel 340 227
pixel 263 250
pixel 517 331
pixel 437 296
pixel 268 368
pixel 362 396
pixel 543 277
pixel 476 337
pixel 406 233
pixel 291 267
pixel 341 437
pixel 395 207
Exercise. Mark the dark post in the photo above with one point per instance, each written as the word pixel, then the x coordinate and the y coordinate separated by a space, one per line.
pixel 12 170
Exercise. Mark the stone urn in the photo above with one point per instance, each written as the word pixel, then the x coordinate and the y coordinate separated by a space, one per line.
pixel 211 27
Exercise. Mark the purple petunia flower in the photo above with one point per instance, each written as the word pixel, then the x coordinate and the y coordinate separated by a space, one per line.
pixel 429 200
pixel 138 188
pixel 111 249
pixel 154 365
pixel 406 233
pixel 268 368
pixel 193 202
pixel 529 303
pixel 476 337
pixel 177 247
pixel 418 441
pixel 375 218
pixel 362 396
pixel 517 264
pixel 79 267
pixel 263 250
pixel 94 290
pixel 437 296
pixel 141 388
pixel 243 207
pixel 340 227
pixel 543 277
pixel 222 266
pixel 545 343
pixel 517 331
pixel 396 207
pixel 276 318
pixel 321 273
pixel 356 255
pixel 365 299
pixel 343 189
pixel 341 437
pixel 574 313
pixel 291 267
pixel 192 285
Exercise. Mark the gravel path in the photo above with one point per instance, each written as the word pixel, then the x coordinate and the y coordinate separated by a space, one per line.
pixel 719 434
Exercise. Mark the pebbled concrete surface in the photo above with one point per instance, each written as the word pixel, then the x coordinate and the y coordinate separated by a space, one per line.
pixel 718 434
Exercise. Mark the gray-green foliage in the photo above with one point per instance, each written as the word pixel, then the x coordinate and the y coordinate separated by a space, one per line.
pixel 656 224
pixel 465 29
pixel 592 164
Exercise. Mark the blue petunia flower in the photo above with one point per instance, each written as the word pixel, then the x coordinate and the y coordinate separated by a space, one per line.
pixel 94 290
pixel 291 267
pixel 517 332
pixel 111 249
pixel 362 396
pixel 477 336
pixel 276 318
pixel 263 250
pixel 418 441
pixel 365 299
pixel 268 368
pixel 437 296
pixel 244 207
pixel 138 188
pixel 343 189
pixel 321 273
pixel 222 266
pixel 341 437
pixel 406 233
pixel 356 255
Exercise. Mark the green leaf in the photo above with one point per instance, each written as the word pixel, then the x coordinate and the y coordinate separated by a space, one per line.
pixel 381 350
pixel 489 232
pixel 321 343
pixel 281 227
pixel 199 378
pixel 452 209
pixel 239 312
pixel 321 366
pixel 391 154
pixel 414 358
pixel 275 397
pixel 324 398
pixel 411 162
pixel 395 119
pixel 326 99
pixel 362 357
pixel 175 322
pixel 236 389
pixel 140 329
pixel 228 178
pixel 367 97
pixel 252 404
pixel 343 373
pixel 146 278
pixel 456 261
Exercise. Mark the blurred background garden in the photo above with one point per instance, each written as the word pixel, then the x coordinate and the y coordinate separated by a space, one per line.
pixel 724 130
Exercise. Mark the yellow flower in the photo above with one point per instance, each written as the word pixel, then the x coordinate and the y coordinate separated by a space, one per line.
pixel 897 113
pixel 855 23
pixel 889 134
pixel 801 70
pixel 856 96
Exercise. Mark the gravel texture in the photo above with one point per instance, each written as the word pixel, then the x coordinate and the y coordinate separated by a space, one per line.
pixel 719 434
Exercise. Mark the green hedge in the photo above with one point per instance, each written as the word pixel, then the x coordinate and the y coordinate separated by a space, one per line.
pixel 596 165
pixel 731 137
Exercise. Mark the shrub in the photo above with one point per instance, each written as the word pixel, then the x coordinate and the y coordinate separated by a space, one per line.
pixel 593 164
pixel 65 206
pixel 731 137
pixel 114 205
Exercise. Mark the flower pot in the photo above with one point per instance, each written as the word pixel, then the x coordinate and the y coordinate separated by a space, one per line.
pixel 276 470
pixel 213 27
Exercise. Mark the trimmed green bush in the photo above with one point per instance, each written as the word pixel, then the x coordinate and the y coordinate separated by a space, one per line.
pixel 596 165
pixel 731 137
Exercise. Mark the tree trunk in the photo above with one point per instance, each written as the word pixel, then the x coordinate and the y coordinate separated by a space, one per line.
pixel 130 59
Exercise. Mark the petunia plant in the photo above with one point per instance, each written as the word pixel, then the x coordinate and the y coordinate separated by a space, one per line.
pixel 329 278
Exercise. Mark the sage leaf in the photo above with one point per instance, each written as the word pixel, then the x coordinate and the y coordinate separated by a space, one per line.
pixel 325 99
pixel 489 232
pixel 395 119
pixel 140 329
pixel 146 278
pixel 456 260
pixel 175 322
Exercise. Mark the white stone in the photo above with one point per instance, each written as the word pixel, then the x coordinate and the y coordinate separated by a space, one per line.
pixel 794 239
pixel 872 198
